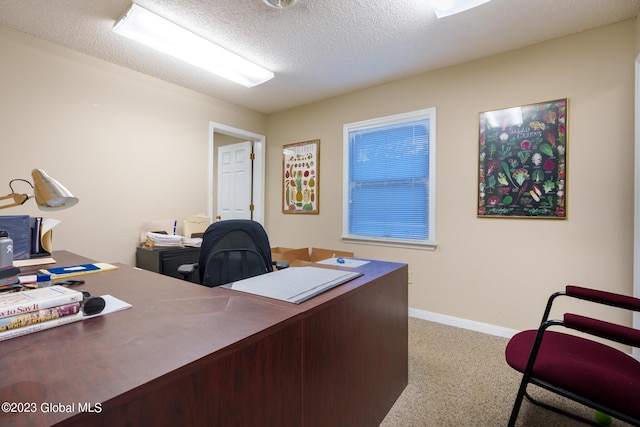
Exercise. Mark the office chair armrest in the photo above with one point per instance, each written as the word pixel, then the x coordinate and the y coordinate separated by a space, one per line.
pixel 602 297
pixel 281 265
pixel 602 329
pixel 187 270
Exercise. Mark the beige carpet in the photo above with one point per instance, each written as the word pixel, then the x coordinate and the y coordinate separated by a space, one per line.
pixel 460 378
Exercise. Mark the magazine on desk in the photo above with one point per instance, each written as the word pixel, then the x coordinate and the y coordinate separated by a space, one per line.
pixel 294 284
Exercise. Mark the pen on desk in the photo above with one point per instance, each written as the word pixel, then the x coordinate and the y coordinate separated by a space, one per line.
pixel 70 283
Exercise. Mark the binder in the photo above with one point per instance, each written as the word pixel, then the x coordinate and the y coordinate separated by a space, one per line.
pixel 27 235
pixel 36 229
pixel 19 230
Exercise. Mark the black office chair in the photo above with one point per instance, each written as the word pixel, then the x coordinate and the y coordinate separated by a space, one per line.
pixel 582 369
pixel 232 250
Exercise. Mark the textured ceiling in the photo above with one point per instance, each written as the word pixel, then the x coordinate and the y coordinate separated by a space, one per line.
pixel 316 48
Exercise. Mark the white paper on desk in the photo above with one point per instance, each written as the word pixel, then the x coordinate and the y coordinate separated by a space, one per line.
pixel 163 225
pixel 112 304
pixel 294 284
pixel 165 239
pixel 348 262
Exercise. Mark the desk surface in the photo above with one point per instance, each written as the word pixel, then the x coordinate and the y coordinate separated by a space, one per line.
pixel 172 326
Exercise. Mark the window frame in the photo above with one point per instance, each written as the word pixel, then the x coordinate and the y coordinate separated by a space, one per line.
pixel 430 242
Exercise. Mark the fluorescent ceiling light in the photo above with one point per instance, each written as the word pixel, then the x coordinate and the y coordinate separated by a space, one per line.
pixel 444 8
pixel 146 27
pixel 280 4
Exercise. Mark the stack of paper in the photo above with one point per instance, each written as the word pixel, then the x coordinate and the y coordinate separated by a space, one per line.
pixel 163 240
pixel 194 242
pixel 164 226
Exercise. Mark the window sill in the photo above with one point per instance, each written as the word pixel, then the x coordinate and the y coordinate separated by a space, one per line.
pixel 425 246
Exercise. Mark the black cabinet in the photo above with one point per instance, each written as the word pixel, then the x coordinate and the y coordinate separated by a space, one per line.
pixel 167 260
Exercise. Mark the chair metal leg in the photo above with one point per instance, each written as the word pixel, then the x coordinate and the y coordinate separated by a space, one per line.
pixel 561 411
pixel 522 391
pixel 526 375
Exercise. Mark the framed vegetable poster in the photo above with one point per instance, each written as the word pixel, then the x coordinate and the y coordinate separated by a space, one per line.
pixel 522 161
pixel 301 177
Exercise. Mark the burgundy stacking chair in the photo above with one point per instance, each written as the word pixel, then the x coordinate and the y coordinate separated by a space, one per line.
pixel 589 372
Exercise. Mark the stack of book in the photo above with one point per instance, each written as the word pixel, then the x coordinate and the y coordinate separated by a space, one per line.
pixel 34 310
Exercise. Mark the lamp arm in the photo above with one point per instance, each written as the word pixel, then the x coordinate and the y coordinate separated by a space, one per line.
pixel 19 179
pixel 18 199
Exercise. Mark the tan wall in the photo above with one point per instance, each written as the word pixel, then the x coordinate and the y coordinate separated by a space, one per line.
pixel 497 271
pixel 131 147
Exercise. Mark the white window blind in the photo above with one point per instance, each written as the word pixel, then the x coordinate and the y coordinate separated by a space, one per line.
pixel 388 178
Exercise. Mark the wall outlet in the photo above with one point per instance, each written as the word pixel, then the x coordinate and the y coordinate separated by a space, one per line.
pixel 410 277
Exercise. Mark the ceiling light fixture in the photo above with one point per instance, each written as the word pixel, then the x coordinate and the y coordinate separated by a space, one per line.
pixel 280 4
pixel 444 8
pixel 152 30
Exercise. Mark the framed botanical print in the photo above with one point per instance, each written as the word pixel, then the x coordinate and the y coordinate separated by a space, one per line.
pixel 301 177
pixel 522 166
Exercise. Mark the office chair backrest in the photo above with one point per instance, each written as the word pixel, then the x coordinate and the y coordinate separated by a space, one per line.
pixel 233 250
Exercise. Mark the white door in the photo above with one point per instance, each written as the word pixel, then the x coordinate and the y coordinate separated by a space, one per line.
pixel 235 170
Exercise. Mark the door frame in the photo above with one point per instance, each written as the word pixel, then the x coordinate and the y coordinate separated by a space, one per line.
pixel 636 215
pixel 259 148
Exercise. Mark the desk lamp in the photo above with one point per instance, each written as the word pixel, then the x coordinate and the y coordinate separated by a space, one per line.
pixel 50 195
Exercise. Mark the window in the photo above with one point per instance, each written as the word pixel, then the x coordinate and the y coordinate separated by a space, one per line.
pixel 389 180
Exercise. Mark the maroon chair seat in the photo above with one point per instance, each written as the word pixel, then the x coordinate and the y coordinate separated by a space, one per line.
pixel 596 371
pixel 587 371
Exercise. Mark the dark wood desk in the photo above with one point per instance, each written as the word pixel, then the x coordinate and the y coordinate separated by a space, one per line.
pixel 194 356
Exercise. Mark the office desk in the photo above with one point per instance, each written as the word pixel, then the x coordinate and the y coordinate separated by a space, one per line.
pixel 195 356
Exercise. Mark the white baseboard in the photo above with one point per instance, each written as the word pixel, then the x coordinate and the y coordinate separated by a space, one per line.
pixel 463 323
pixel 478 326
